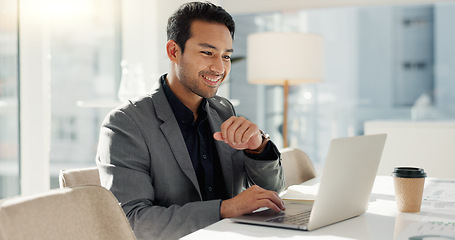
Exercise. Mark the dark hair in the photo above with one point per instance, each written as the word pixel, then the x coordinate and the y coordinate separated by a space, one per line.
pixel 179 24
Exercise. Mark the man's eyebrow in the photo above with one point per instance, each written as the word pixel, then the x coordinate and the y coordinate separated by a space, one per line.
pixel 207 45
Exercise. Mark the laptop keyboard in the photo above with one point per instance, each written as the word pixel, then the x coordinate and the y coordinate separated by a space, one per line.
pixel 300 218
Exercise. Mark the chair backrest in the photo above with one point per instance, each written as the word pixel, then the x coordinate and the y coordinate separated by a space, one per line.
pixel 86 212
pixel 79 177
pixel 297 166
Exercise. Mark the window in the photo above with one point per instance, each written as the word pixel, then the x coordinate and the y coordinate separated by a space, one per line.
pixel 85 68
pixel 9 118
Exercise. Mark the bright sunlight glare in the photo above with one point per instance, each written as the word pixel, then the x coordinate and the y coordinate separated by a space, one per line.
pixel 67 8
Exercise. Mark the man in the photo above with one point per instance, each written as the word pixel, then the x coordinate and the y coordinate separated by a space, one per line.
pixel 179 159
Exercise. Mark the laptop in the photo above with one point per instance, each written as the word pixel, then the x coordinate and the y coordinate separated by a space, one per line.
pixel 344 190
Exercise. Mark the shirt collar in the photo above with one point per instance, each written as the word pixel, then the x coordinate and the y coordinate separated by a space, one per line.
pixel 182 113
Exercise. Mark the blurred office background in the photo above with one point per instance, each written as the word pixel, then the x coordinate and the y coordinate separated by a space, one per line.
pixel 65 64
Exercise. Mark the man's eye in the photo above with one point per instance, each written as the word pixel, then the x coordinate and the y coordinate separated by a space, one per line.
pixel 227 57
pixel 207 53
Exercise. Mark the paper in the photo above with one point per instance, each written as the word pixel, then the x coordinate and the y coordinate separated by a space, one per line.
pixel 428 231
pixel 438 213
pixel 439 191
pixel 439 195
pixel 301 192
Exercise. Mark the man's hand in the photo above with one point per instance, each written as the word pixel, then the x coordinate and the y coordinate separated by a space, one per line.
pixel 249 200
pixel 239 133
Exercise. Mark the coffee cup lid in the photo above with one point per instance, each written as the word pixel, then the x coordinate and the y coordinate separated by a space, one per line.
pixel 409 172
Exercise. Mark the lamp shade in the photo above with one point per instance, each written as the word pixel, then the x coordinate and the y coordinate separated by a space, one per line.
pixel 273 58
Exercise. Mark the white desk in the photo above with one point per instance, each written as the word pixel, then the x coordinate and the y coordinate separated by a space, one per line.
pixel 381 221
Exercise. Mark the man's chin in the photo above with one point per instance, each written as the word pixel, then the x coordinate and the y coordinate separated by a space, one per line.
pixel 210 95
pixel 206 94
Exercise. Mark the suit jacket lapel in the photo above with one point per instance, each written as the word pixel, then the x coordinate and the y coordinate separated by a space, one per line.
pixel 171 131
pixel 224 151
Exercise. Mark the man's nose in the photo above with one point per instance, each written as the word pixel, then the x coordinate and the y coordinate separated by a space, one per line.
pixel 217 65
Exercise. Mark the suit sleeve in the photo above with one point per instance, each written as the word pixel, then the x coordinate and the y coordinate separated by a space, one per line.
pixel 264 170
pixel 124 163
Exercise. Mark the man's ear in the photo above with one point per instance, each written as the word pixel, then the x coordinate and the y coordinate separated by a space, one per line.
pixel 172 49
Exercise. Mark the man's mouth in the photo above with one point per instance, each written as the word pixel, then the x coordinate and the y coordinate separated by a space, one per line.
pixel 213 78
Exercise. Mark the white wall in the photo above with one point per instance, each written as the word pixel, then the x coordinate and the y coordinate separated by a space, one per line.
pixel 428 145
pixel 34 98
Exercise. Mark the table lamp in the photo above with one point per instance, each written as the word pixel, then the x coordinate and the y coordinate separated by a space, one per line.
pixel 285 59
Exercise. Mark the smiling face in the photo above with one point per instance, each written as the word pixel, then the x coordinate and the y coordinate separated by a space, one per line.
pixel 205 63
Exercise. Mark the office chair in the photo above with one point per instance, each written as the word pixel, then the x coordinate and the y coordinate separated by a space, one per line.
pixel 79 177
pixel 86 212
pixel 297 166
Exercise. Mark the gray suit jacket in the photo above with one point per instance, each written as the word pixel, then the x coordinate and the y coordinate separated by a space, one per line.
pixel 143 160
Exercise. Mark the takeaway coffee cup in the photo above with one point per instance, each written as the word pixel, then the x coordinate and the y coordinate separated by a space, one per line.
pixel 409 182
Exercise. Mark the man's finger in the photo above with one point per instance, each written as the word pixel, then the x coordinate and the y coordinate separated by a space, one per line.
pixel 218 136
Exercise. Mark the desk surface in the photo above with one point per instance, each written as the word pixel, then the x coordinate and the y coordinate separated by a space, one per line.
pixel 381 221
